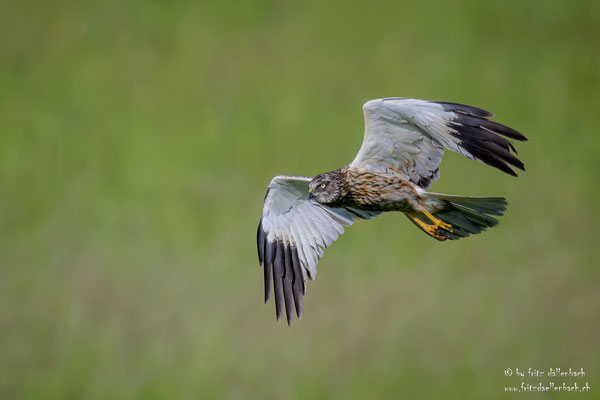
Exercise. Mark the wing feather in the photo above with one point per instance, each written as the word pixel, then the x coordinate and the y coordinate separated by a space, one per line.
pixel 292 235
pixel 278 269
pixel 408 136
pixel 299 283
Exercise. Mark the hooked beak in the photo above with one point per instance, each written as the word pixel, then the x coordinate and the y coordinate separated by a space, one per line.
pixel 310 193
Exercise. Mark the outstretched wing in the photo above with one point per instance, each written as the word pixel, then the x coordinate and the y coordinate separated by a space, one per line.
pixel 292 235
pixel 408 137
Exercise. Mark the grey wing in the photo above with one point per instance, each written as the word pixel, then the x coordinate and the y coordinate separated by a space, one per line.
pixel 408 137
pixel 292 235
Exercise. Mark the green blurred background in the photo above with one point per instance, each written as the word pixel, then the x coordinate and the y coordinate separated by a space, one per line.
pixel 137 140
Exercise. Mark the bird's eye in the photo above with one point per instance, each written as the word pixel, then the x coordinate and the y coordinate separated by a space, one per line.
pixel 323 185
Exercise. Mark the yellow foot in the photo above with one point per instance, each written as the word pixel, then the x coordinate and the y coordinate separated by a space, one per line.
pixel 432 230
pixel 438 222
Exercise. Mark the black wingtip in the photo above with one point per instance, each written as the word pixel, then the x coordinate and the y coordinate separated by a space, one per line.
pixel 278 273
pixel 298 301
pixel 268 278
pixel 260 243
pixel 288 279
pixel 269 257
pixel 487 141
pixel 298 282
pixel 504 130
pixel 288 300
pixel 464 109
pixel 283 272
pixel 466 112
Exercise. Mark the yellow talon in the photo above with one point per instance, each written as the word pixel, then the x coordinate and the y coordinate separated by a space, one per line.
pixel 427 228
pixel 432 230
pixel 438 222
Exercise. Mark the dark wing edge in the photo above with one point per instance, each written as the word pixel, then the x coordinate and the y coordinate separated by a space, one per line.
pixel 305 228
pixel 482 139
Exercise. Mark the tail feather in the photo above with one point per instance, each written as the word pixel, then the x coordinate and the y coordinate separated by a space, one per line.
pixel 465 215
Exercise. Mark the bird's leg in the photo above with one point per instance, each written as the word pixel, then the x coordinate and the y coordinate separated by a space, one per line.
pixel 430 229
pixel 437 222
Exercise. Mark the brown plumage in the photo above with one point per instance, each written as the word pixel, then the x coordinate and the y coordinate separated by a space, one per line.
pixel 366 190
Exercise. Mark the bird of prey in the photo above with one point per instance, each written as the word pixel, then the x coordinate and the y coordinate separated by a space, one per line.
pixel 399 159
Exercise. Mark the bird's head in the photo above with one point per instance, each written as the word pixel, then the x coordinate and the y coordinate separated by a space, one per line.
pixel 325 188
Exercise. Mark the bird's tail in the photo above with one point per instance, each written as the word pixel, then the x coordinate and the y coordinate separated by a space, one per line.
pixel 458 216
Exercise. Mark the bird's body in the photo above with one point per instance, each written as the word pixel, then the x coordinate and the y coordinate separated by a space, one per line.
pixel 371 191
pixel 398 160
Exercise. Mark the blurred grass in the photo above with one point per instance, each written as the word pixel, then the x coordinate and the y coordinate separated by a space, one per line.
pixel 137 142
